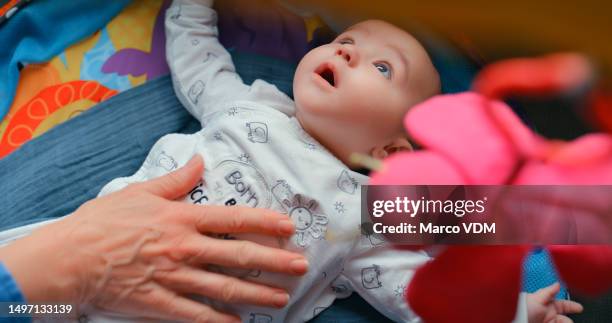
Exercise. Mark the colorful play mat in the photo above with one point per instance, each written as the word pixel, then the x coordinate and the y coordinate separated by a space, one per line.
pixel 125 53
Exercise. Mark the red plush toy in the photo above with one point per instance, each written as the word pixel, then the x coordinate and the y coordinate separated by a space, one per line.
pixel 472 138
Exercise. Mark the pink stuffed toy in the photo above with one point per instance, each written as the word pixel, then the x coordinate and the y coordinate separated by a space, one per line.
pixel 472 138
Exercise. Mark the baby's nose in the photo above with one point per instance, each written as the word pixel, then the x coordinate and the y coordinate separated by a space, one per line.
pixel 348 54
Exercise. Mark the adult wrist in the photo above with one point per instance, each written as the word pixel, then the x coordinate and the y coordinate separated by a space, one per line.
pixel 38 267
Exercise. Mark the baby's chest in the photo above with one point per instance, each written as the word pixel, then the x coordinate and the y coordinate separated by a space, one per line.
pixel 264 161
pixel 324 204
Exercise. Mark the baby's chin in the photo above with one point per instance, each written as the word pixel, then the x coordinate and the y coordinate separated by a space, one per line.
pixel 307 103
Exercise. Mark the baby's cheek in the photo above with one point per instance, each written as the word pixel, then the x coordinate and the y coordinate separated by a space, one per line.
pixel 304 96
pixel 370 99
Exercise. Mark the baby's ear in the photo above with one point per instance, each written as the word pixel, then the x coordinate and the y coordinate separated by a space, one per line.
pixel 398 144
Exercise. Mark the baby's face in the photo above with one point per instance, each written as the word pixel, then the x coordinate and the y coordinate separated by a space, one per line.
pixel 351 95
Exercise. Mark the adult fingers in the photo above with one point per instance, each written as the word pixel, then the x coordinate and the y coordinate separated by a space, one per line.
pixel 224 288
pixel 161 303
pixel 238 219
pixel 242 254
pixel 177 183
pixel 187 310
pixel 568 307
pixel 562 319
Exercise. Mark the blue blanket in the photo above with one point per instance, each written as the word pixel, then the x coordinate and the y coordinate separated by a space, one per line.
pixel 41 30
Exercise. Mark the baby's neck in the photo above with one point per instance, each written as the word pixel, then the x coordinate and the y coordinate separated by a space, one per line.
pixel 343 155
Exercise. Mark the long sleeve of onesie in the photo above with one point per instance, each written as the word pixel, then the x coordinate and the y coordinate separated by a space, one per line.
pixel 203 73
pixel 380 275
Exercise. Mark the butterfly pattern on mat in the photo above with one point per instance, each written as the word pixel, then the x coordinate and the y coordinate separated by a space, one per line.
pixel 136 62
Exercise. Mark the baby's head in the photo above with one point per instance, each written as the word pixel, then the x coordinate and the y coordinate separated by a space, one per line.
pixel 352 94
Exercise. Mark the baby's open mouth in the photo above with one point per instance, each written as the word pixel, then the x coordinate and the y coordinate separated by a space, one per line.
pixel 327 73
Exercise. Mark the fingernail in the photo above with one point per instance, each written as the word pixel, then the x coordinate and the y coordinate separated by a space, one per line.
pixel 280 299
pixel 286 227
pixel 299 266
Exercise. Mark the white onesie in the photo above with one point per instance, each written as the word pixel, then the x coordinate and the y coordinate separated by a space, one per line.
pixel 257 154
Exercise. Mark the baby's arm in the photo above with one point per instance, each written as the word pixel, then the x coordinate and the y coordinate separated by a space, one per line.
pixel 380 275
pixel 543 307
pixel 203 73
pixel 202 70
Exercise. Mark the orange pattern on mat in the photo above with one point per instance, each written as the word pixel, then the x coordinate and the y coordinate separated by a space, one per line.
pixel 5 8
pixel 29 116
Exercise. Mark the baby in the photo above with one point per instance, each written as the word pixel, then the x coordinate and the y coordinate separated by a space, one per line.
pixel 264 150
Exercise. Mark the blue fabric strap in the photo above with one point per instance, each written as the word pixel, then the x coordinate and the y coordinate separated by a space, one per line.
pixel 9 292
pixel 43 29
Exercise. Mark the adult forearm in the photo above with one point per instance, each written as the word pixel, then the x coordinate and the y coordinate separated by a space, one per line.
pixel 40 266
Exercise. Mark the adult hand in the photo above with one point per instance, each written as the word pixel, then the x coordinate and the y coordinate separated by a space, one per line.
pixel 137 251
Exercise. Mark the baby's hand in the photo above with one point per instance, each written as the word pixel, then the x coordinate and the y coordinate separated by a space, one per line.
pixel 543 307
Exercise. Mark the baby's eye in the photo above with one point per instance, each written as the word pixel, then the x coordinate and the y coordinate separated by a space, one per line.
pixel 384 69
pixel 345 41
